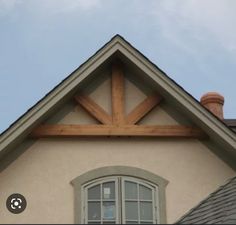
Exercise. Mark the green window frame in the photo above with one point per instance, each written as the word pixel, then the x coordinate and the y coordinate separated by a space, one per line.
pixel 87 196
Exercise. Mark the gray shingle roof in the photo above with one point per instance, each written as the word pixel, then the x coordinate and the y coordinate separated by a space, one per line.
pixel 218 208
pixel 231 123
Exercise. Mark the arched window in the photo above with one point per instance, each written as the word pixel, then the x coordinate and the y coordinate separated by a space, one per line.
pixel 115 195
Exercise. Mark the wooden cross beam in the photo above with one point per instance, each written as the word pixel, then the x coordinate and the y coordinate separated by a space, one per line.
pixel 111 130
pixel 117 124
pixel 117 94
pixel 94 109
pixel 143 109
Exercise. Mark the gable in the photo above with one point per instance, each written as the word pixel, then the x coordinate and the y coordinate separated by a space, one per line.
pixel 73 113
pixel 143 71
pixel 121 119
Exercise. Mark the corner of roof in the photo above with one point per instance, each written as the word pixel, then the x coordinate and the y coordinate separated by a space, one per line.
pixel 118 39
pixel 221 187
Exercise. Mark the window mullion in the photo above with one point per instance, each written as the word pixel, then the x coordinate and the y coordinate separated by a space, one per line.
pixel 118 207
pixel 101 203
pixel 157 206
pixel 122 200
pixel 85 207
pixel 121 197
pixel 138 203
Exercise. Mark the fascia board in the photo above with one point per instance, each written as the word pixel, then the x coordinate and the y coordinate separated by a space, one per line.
pixel 44 106
pixel 183 98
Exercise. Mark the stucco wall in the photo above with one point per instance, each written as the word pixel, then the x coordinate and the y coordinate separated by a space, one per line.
pixel 43 173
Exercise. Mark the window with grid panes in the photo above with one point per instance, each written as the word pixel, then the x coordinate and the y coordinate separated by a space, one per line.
pixel 120 199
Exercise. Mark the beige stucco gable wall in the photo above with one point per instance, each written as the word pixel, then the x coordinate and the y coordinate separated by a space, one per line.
pixel 43 173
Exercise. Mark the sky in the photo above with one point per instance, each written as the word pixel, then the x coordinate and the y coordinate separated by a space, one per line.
pixel 43 41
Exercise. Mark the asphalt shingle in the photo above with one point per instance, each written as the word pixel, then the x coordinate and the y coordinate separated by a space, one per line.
pixel 231 123
pixel 218 208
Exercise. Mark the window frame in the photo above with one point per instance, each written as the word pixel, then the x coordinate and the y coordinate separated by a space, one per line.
pixel 154 200
pixel 85 201
pixel 124 171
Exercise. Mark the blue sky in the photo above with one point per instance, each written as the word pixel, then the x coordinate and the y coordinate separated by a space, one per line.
pixel 43 41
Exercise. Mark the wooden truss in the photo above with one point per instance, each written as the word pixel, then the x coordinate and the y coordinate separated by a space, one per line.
pixel 117 124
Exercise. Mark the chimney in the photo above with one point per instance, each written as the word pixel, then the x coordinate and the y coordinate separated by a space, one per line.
pixel 214 102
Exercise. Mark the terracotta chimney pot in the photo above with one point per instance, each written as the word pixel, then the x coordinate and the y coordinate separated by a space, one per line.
pixel 214 102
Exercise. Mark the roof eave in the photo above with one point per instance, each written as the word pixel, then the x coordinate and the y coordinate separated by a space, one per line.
pixel 25 123
pixel 208 120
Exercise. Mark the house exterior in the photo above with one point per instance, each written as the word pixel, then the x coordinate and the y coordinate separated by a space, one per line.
pixel 117 141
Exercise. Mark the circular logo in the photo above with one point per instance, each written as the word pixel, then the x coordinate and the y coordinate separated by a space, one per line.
pixel 16 203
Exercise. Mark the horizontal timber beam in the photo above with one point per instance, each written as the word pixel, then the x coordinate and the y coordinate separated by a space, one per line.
pixel 111 130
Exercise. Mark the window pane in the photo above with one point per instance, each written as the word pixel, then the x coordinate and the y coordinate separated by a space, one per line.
pixel 108 190
pixel 105 201
pixel 146 210
pixel 94 192
pixel 145 193
pixel 131 210
pixel 131 190
pixel 94 211
pixel 109 211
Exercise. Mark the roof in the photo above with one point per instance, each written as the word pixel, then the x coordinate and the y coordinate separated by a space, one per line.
pixel 218 132
pixel 231 123
pixel 218 208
